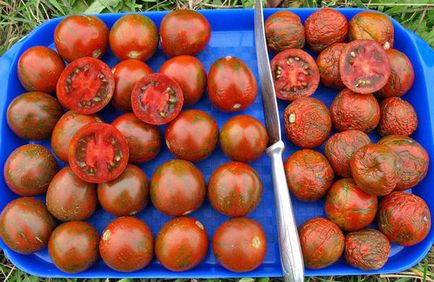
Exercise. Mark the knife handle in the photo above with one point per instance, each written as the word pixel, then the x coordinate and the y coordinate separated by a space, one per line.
pixel 289 244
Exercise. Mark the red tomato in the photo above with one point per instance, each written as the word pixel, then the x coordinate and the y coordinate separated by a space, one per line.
pixel 398 117
pixel 284 30
pixel 328 65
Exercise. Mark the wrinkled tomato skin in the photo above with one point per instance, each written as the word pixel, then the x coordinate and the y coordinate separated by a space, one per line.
pixel 231 85
pixel 177 188
pixel 404 218
pixel 33 115
pixel 181 244
pixel 192 136
pixel 367 249
pixel 39 69
pixel 144 140
pixel 26 225
pixel 243 138
pixel 126 244
pixel 284 30
pixel 29 169
pixel 398 117
pixel 414 158
pixel 73 246
pixel 81 36
pixel 328 65
pixel 190 75
pixel 308 174
pixel 350 110
pixel 133 36
pixel 184 32
pixel 322 242
pixel 340 147
pixel 234 189
pixel 239 244
pixel 307 122
pixel 349 207
pixel 126 195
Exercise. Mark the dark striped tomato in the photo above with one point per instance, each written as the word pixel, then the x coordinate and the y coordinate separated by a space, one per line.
pixel 328 65
pixel 284 30
pixel 398 117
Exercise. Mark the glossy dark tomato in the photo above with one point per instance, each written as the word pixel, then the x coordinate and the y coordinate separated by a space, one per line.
pixel 234 189
pixel 144 140
pixel 308 174
pixel 404 218
pixel 239 244
pixel 398 117
pixel 190 75
pixel 177 188
pixel 184 32
pixel 192 136
pixel 295 74
pixel 126 195
pixel 181 244
pixel 284 30
pixel 26 225
pixel 98 152
pixel 126 244
pixel 29 169
pixel 231 85
pixel 348 206
pixel 307 122
pixel 328 65
pixel 126 74
pixel 39 69
pixel 322 242
pixel 73 246
pixel 157 99
pixel 324 28
pixel 81 36
pixel 70 198
pixel 33 115
pixel 375 169
pixel 364 66
pixel 133 36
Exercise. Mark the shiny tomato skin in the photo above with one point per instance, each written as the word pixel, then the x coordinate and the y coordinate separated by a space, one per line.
pixel 26 225
pixel 240 244
pixel 328 65
pixel 73 246
pixel 398 117
pixel 29 169
pixel 39 68
pixel 33 115
pixel 144 140
pixel 284 30
pixel 192 135
pixel 126 244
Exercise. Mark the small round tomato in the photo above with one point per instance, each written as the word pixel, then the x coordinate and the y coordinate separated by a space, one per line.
pixel 177 188
pixel 234 189
pixel 33 115
pixel 29 169
pixel 85 86
pixel 322 242
pixel 295 74
pixel 157 99
pixel 126 74
pixel 348 206
pixel 190 75
pixel 133 36
pixel 184 32
pixel 284 30
pixel 231 85
pixel 239 244
pixel 364 66
pixel 192 136
pixel 404 218
pixel 73 246
pixel 126 244
pixel 328 65
pixel 307 122
pixel 26 225
pixel 70 198
pixel 144 140
pixel 126 195
pixel 39 68
pixel 98 153
pixel 398 117
pixel 81 36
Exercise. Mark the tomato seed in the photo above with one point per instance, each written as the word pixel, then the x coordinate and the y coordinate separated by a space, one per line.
pixel 291 118
pixel 297 58
pixel 353 54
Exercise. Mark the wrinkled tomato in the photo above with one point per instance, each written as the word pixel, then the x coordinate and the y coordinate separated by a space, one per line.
pixel 398 117
pixel 284 30
pixel 328 65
